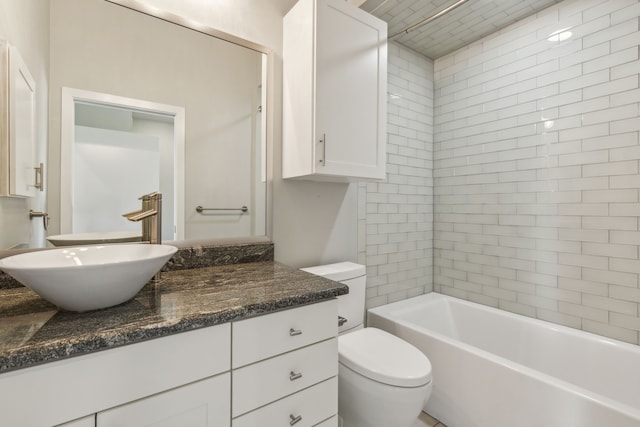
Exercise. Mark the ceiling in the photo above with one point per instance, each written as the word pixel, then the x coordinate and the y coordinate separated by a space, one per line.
pixel 459 27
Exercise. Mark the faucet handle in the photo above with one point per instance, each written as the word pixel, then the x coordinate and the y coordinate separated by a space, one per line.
pixel 142 215
pixel 130 214
pixel 154 195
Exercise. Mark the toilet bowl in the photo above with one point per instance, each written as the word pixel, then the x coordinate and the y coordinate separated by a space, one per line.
pixel 383 381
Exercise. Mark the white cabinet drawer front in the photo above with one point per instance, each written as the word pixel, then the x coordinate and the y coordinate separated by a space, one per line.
pixel 261 383
pixel 265 336
pixel 312 406
pixel 201 404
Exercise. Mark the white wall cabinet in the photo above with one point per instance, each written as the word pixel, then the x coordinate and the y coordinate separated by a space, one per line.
pixel 334 89
pixel 17 126
pixel 186 379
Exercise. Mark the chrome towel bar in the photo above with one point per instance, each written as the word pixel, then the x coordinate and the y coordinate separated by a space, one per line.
pixel 200 209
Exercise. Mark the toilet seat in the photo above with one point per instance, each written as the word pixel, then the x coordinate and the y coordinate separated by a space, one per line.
pixel 383 357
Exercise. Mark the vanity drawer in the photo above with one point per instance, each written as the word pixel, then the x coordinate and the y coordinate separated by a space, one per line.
pixel 312 405
pixel 261 383
pixel 266 336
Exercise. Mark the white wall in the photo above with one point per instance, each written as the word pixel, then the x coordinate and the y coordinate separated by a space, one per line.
pixel 536 168
pixel 396 216
pixel 258 21
pixel 25 24
pixel 102 192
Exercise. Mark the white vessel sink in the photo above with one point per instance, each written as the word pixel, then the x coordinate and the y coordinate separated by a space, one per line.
pixel 97 238
pixel 90 277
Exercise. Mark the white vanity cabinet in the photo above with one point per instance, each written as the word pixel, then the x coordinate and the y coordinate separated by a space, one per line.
pixel 334 92
pixel 59 392
pixel 283 370
pixel 201 404
pixel 285 367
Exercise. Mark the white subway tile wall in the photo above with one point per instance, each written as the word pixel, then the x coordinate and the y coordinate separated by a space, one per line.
pixel 396 216
pixel 536 171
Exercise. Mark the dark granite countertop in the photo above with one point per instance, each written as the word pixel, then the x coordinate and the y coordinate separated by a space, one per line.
pixel 33 331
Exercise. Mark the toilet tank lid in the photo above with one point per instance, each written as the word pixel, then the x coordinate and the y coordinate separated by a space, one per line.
pixel 338 271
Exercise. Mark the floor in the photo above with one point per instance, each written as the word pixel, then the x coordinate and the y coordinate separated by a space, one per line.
pixel 425 420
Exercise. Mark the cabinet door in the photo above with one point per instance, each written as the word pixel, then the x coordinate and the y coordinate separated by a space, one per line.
pixel 350 91
pixel 17 138
pixel 204 403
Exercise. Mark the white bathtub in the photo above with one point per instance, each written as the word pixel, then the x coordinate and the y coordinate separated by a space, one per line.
pixel 492 368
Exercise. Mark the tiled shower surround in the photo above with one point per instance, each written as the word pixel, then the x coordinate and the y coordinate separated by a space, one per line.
pixel 396 216
pixel 536 168
pixel 532 170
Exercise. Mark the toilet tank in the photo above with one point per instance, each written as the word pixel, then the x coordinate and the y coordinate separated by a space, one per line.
pixel 352 305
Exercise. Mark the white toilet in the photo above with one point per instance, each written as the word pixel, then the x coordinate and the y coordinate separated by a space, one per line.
pixel 383 381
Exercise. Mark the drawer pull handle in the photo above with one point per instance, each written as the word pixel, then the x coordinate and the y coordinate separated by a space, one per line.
pixel 295 376
pixel 294 332
pixel 341 320
pixel 294 420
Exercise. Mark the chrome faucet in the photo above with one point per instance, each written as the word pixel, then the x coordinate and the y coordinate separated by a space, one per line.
pixel 151 217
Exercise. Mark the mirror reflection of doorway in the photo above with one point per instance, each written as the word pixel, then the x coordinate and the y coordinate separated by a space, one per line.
pixel 120 149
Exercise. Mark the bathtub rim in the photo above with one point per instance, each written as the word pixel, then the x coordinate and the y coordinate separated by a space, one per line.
pixel 435 297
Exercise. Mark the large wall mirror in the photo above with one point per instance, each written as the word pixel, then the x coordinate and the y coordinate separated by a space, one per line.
pixel 119 50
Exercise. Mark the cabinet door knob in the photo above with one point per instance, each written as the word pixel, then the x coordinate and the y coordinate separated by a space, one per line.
pixel 295 375
pixel 294 420
pixel 294 332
